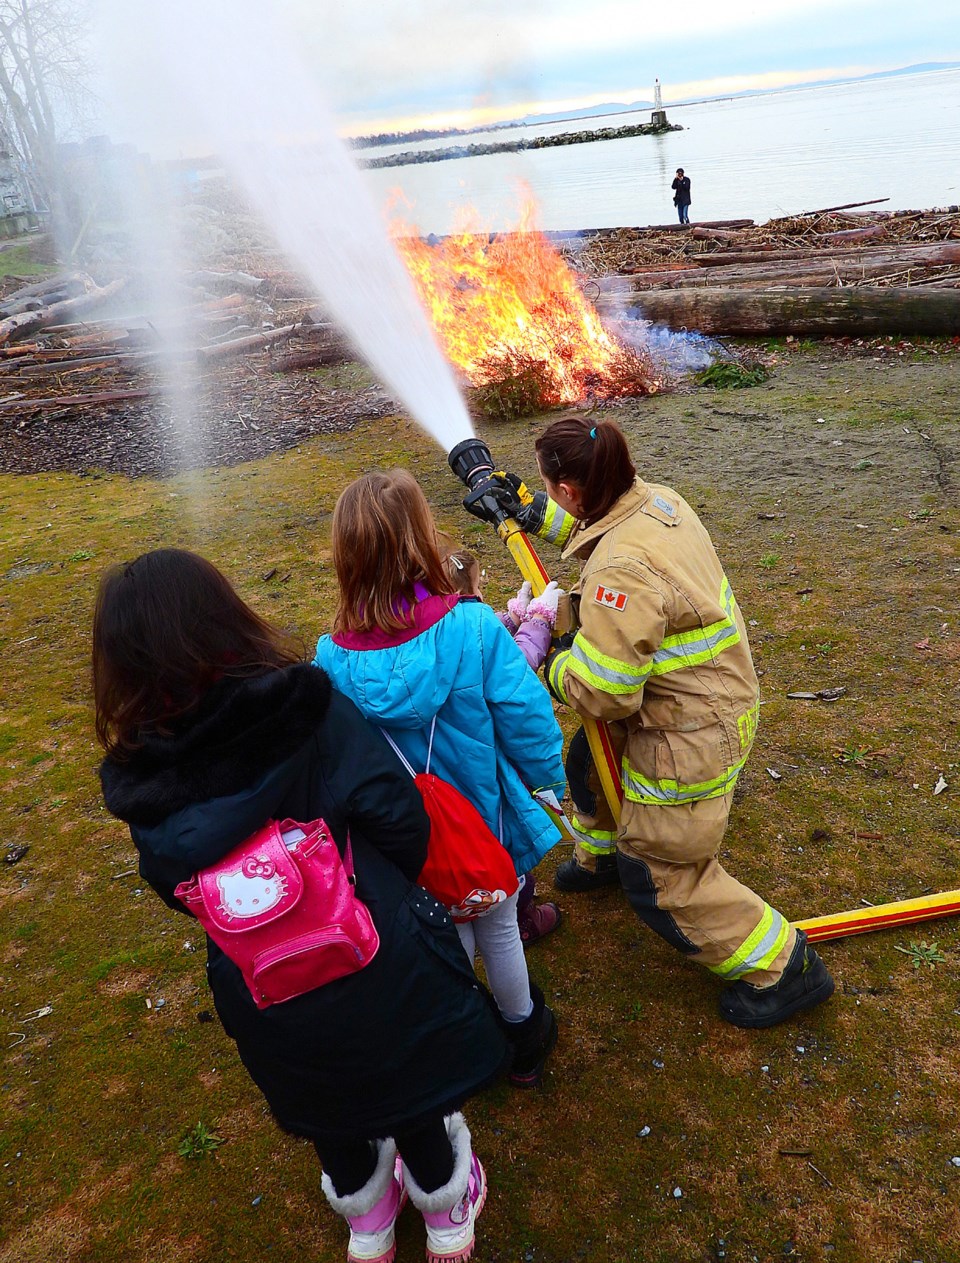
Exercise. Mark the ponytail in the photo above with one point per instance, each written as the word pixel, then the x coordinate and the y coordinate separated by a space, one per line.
pixel 595 458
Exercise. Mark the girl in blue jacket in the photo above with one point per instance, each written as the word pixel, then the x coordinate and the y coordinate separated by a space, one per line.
pixel 422 664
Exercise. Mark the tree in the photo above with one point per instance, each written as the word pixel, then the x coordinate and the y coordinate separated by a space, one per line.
pixel 42 80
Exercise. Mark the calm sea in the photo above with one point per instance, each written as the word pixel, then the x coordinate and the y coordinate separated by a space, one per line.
pixel 753 158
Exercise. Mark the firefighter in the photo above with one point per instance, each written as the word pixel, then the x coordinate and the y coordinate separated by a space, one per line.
pixel 660 654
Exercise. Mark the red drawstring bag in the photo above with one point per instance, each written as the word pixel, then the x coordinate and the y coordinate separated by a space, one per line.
pixel 468 870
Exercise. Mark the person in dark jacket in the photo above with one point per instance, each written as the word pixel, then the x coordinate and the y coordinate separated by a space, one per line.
pixel 681 195
pixel 213 726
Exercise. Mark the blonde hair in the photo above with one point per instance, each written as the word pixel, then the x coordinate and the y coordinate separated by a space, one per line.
pixel 384 543
pixel 464 570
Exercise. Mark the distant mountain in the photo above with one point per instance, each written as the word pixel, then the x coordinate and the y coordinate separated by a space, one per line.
pixel 620 107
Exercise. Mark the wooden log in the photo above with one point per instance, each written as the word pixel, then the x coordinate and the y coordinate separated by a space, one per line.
pixel 816 312
pixel 20 326
pixel 821 268
pixel 827 210
pixel 226 282
pixel 79 282
pixel 230 302
pixel 256 341
pixel 46 404
pixel 700 232
pixel 855 234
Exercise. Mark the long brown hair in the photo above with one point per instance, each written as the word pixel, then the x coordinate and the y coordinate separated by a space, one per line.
pixel 384 542
pixel 166 626
pixel 592 456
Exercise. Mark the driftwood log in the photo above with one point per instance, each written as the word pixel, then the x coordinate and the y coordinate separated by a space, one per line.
pixel 861 312
pixel 30 321
pixel 223 350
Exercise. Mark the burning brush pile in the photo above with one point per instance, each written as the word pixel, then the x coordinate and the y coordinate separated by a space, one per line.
pixel 510 315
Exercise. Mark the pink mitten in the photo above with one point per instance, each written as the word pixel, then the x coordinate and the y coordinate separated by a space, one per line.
pixel 517 605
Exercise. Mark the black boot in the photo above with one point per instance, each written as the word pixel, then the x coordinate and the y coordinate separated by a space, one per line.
pixel 533 1039
pixel 804 983
pixel 574 877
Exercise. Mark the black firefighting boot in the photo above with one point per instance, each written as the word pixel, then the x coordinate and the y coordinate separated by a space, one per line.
pixel 804 983
pixel 572 876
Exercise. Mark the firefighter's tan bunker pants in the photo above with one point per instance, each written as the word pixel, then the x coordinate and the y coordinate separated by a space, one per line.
pixel 667 857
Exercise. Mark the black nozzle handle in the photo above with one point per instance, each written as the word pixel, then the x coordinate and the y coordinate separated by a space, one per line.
pixel 471 462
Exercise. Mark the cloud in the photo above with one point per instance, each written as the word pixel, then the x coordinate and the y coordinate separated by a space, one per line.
pixel 428 56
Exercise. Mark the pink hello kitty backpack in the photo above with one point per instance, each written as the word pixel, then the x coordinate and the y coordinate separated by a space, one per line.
pixel 283 906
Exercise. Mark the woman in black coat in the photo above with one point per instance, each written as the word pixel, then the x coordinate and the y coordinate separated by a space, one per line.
pixel 213 726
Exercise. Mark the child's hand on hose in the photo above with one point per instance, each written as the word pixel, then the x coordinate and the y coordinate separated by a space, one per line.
pixel 543 608
pixel 517 605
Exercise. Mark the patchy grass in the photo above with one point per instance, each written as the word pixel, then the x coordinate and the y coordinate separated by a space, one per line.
pixel 25 260
pixel 828 1139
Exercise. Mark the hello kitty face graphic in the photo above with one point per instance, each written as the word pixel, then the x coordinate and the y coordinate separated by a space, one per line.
pixel 251 890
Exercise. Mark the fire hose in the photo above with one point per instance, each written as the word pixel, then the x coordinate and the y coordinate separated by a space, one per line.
pixel 473 464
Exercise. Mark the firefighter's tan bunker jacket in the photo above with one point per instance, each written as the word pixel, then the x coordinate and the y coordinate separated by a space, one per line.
pixel 661 653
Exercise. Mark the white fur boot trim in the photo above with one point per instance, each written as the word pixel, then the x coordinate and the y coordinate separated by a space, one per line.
pixel 353 1205
pixel 447 1196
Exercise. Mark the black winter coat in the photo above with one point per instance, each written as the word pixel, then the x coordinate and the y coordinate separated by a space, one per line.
pixel 412 1034
pixel 681 191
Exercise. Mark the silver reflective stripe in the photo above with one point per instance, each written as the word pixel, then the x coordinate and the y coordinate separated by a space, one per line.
pixel 704 645
pixel 599 669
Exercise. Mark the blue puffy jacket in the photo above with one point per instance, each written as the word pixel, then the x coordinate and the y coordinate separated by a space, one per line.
pixel 496 736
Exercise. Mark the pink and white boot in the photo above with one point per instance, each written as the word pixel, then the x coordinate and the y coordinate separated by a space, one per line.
pixel 372 1211
pixel 451 1211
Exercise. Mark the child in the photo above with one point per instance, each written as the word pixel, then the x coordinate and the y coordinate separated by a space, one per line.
pixel 213 726
pixel 530 623
pixel 426 666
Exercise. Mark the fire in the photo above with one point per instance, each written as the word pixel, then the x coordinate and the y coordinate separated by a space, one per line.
pixel 507 308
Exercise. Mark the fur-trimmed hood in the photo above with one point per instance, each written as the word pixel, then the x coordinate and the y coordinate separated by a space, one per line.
pixel 240 730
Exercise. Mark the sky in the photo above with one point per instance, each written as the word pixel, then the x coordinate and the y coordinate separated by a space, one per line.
pixel 387 65
pixel 391 63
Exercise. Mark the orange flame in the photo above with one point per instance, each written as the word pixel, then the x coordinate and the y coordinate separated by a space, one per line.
pixel 508 304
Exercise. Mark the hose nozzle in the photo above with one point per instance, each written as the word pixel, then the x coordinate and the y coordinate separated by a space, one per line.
pixel 472 463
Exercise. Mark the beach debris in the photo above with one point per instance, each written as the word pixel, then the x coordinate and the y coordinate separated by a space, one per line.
pixel 16 853
pixel 941 785
pixel 822 695
pixel 774 774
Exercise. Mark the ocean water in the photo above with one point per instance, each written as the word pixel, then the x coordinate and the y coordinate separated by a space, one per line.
pixel 751 158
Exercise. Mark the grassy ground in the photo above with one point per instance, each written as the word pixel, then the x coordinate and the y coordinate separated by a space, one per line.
pixel 661 1134
pixel 26 258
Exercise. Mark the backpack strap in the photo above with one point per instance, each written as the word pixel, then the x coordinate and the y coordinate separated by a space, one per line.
pixel 403 758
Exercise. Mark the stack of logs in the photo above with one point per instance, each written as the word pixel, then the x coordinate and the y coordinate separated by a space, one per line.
pixel 52 334
pixel 827 273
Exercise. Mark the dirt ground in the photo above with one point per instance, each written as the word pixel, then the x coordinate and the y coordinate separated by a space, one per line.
pixel 661 1134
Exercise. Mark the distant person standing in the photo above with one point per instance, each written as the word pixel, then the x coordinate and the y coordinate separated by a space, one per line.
pixel 681 195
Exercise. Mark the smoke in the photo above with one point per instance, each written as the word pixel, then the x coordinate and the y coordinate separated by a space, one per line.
pixel 228 74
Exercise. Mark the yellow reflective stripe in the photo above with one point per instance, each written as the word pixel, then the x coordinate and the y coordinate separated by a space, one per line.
pixel 557 524
pixel 701 644
pixel 555 676
pixel 760 950
pixel 602 672
pixel 747 726
pixel 643 789
pixel 594 841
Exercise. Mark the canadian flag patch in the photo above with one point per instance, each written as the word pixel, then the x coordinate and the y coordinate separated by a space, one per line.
pixel 610 597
